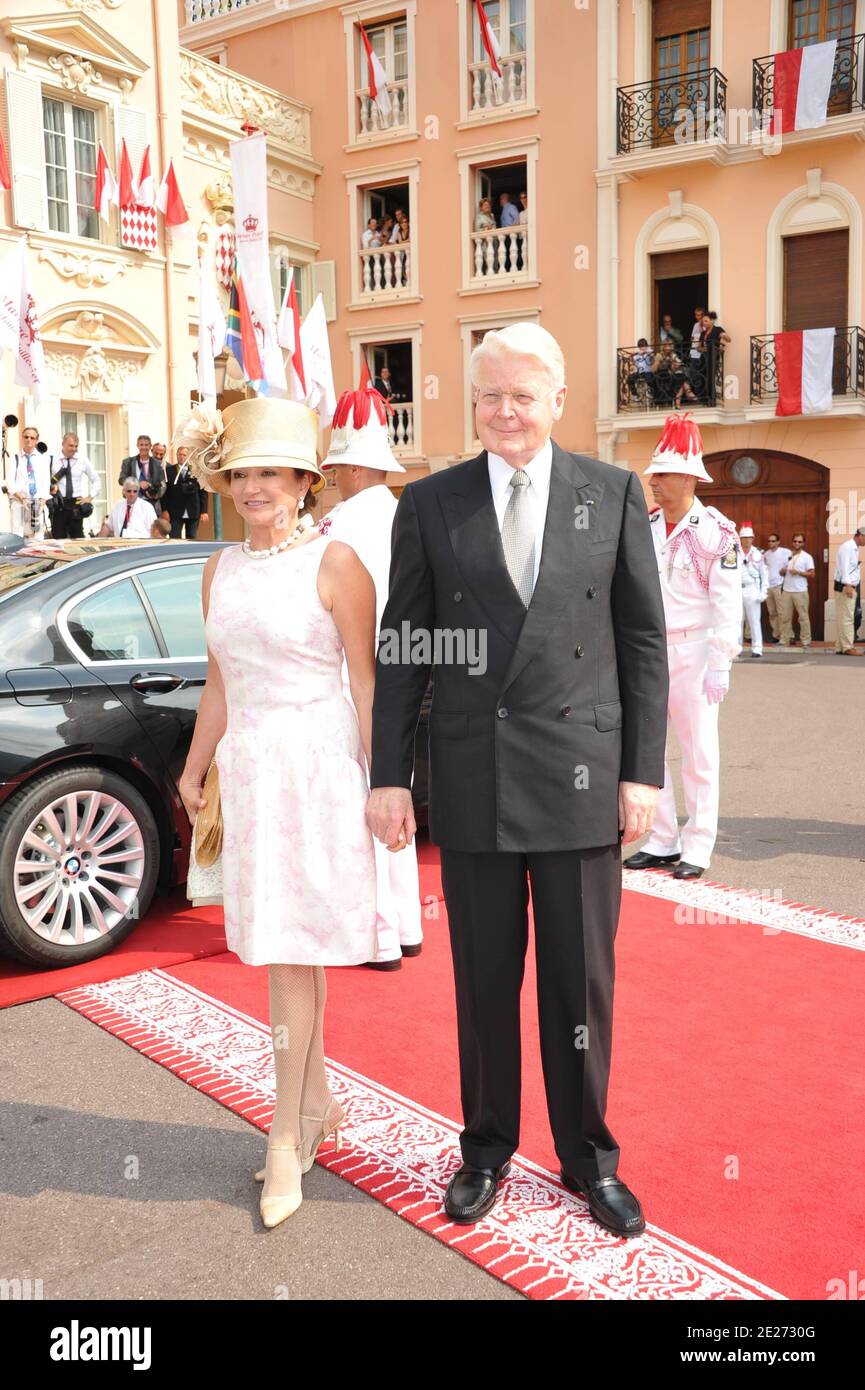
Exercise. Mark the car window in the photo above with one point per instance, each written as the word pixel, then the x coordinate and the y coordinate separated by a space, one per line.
pixel 112 625
pixel 175 593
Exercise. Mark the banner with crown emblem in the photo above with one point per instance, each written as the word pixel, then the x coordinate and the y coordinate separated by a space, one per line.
pixel 249 176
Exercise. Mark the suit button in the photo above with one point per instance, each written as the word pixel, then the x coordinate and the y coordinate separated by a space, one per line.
pixel 458 598
pixel 590 592
pixel 578 651
pixel 565 711
pixel 502 713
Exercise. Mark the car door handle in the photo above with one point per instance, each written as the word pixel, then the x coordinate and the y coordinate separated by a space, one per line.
pixel 156 680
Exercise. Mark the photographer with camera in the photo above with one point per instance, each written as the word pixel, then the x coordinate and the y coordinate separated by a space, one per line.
pixel 184 500
pixel 147 470
pixel 31 485
pixel 74 484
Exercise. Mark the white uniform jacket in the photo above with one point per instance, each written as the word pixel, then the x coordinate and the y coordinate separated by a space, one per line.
pixel 755 575
pixel 699 566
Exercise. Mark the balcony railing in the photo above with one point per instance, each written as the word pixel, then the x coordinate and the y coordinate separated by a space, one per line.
pixel 489 90
pixel 687 381
pixel 386 268
pixel 370 118
pixel 671 111
pixel 198 10
pixel 848 364
pixel 500 253
pixel 401 427
pixel 847 89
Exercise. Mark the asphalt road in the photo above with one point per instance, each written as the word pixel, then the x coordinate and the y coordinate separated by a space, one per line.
pixel 77 1102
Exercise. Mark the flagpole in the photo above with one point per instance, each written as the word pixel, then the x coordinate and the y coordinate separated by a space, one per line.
pixel 168 280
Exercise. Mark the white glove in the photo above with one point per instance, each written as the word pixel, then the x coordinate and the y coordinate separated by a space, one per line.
pixel 715 686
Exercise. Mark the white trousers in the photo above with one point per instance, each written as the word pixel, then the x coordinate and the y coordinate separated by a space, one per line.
pixel 398 911
pixel 752 606
pixel 696 724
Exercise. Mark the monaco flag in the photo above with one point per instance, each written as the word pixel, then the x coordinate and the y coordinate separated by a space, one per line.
pixel 377 76
pixel 126 189
pixel 317 366
pixel 288 335
pixel 803 366
pixel 146 195
pixel 106 186
pixel 803 78
pixel 169 201
pixel 489 40
pixel 19 325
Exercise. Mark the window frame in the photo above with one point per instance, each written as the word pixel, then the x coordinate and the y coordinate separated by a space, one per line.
pixel 132 574
pixel 71 171
pixel 469 28
pixel 375 14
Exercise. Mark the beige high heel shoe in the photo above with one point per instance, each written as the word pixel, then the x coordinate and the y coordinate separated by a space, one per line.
pixel 277 1206
pixel 331 1123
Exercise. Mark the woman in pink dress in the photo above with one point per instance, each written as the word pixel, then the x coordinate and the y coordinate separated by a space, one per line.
pixel 298 864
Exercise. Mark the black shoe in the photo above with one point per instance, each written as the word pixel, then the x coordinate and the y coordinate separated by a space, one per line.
pixel 684 870
pixel 650 861
pixel 384 964
pixel 611 1203
pixel 412 950
pixel 472 1192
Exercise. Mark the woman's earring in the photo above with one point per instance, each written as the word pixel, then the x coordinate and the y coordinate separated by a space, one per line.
pixel 300 501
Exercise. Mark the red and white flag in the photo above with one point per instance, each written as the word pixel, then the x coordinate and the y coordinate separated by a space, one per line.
pixel 489 40
pixel 5 176
pixel 169 201
pixel 126 194
pixel 377 76
pixel 146 194
pixel 317 366
pixel 212 329
pixel 249 178
pixel 365 378
pixel 803 79
pixel 19 324
pixel 106 186
pixel 803 367
pixel 288 335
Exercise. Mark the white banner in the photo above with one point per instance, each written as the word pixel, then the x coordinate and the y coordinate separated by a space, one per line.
pixel 317 368
pixel 211 331
pixel 249 175
pixel 19 325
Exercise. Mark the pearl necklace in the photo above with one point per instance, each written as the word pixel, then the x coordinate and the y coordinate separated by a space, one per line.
pixel 305 523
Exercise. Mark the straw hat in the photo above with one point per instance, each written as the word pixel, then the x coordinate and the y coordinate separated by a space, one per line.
pixel 360 434
pixel 680 449
pixel 263 428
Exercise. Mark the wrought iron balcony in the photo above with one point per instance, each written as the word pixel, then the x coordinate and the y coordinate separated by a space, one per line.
pixel 687 381
pixel 847 90
pixel 672 111
pixel 848 365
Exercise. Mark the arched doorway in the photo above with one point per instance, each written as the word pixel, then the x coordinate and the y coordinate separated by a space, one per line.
pixel 775 492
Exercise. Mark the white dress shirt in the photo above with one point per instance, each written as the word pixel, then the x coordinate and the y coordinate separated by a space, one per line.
pixel 41 464
pixel 848 563
pixel 538 495
pixel 85 479
pixel 141 520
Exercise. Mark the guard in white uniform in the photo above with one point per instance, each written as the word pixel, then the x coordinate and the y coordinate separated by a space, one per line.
pixel 700 572
pixel 360 451
pixel 755 586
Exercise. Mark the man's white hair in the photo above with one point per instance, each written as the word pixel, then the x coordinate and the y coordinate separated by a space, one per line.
pixel 525 340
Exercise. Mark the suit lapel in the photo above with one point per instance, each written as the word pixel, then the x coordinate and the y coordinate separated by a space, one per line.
pixel 477 545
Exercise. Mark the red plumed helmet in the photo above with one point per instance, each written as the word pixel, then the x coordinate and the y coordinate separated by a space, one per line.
pixel 680 448
pixel 361 435
pixel 357 405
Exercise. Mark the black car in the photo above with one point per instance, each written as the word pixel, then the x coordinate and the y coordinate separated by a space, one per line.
pixel 102 663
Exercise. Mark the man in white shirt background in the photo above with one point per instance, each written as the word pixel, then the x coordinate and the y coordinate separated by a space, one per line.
pixel 31 485
pixel 76 484
pixel 794 594
pixel 847 578
pixel 775 555
pixel 132 517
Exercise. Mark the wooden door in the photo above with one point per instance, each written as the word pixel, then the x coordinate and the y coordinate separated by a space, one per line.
pixel 681 36
pixel 776 492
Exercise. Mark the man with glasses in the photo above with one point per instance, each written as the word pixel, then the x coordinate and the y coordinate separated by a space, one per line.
pixel 31 486
pixel 540 765
pixel 76 483
pixel 776 556
pixel 794 594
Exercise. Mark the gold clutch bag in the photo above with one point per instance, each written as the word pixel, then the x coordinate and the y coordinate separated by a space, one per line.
pixel 208 822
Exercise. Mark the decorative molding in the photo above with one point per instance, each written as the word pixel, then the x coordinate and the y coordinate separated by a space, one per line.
pixel 89 324
pixel 77 37
pixel 93 373
pixel 76 74
pixel 209 87
pixel 90 6
pixel 84 268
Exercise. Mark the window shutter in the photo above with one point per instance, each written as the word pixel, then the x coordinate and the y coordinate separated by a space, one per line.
pixel 131 126
pixel 815 279
pixel 324 283
pixel 26 150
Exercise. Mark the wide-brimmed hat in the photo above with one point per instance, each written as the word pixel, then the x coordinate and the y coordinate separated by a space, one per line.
pixel 680 449
pixel 360 435
pixel 262 428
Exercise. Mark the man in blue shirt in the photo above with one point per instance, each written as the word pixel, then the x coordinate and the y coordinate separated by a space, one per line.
pixel 510 215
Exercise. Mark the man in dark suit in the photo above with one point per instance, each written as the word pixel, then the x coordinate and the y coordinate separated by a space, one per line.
pixel 148 472
pixel 184 500
pixel 544 755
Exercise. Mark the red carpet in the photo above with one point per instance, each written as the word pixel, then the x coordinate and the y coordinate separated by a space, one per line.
pixel 735 1096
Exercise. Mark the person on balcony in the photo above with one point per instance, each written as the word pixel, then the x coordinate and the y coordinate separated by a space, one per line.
pixel 668 332
pixel 641 376
pixel 372 235
pixel 510 213
pixel 404 231
pixel 388 230
pixel 669 373
pixel 714 340
pixel 524 210
pixel 383 385
pixel 484 220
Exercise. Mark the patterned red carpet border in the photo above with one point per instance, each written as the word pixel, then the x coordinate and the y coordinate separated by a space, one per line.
pixel 539 1239
pixel 721 905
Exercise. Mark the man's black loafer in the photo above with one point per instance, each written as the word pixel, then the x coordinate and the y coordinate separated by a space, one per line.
pixel 611 1203
pixel 472 1192
pixel 685 870
pixel 650 861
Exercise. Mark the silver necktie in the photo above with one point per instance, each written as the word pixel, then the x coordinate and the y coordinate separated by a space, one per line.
pixel 518 536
